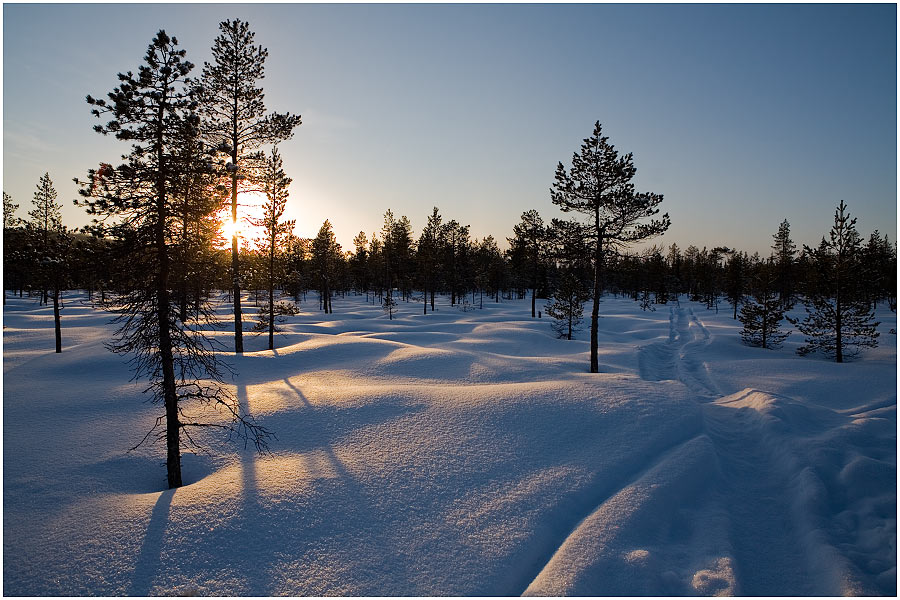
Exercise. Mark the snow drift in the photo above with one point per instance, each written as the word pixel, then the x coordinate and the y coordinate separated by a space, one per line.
pixel 459 453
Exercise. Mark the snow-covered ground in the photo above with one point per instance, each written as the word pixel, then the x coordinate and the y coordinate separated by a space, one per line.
pixel 460 453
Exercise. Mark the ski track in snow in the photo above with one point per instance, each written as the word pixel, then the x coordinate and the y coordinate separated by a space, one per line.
pixel 463 453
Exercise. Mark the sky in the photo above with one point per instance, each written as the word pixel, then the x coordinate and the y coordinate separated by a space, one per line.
pixel 741 116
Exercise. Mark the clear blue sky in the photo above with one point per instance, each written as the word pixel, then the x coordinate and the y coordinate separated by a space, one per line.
pixel 741 115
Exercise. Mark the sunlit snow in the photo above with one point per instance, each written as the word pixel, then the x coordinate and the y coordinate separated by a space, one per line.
pixel 458 453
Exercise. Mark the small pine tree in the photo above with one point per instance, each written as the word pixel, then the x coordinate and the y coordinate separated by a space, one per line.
pixel 389 305
pixel 762 314
pixel 269 316
pixel 46 215
pixel 9 212
pixel 856 330
pixel 838 321
pixel 566 306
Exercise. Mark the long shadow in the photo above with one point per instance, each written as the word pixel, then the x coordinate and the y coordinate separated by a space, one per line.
pixel 272 532
pixel 248 461
pixel 371 518
pixel 149 560
pixel 300 394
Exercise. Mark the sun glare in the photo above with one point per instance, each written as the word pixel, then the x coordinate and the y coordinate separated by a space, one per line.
pixel 250 207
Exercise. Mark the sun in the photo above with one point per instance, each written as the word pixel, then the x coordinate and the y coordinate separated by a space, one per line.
pixel 250 209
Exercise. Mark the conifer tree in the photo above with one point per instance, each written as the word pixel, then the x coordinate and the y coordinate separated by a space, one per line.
pixel 762 315
pixel 235 117
pixel 529 238
pixel 429 249
pixel 489 267
pixel 326 253
pixel 455 239
pixel 9 212
pixel 275 184
pixel 149 111
pixel 46 216
pixel 838 321
pixel 736 279
pixel 598 185
pixel 784 249
pixel 46 219
pixel 566 305
pixel 359 263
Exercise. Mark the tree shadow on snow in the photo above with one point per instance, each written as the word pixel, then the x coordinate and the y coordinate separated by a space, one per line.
pixel 277 532
pixel 149 558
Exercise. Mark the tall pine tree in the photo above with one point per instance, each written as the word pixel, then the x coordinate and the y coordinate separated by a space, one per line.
pixel 149 111
pixel 275 184
pixel 598 185
pixel 235 117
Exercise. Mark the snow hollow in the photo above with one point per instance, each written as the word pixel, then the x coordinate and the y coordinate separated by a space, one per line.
pixel 458 453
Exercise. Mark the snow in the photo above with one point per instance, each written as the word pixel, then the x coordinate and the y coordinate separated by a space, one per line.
pixel 458 453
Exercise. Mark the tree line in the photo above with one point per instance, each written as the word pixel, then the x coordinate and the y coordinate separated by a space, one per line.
pixel 156 256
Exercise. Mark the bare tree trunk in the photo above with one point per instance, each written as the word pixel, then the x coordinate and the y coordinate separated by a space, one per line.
pixel 235 266
pixel 56 322
pixel 167 360
pixel 595 309
pixel 272 295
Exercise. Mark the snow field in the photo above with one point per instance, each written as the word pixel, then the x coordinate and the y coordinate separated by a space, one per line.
pixel 460 453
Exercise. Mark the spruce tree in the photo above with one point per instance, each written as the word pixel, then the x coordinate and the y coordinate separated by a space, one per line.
pixel 839 323
pixel 598 185
pixel 149 111
pixel 235 117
